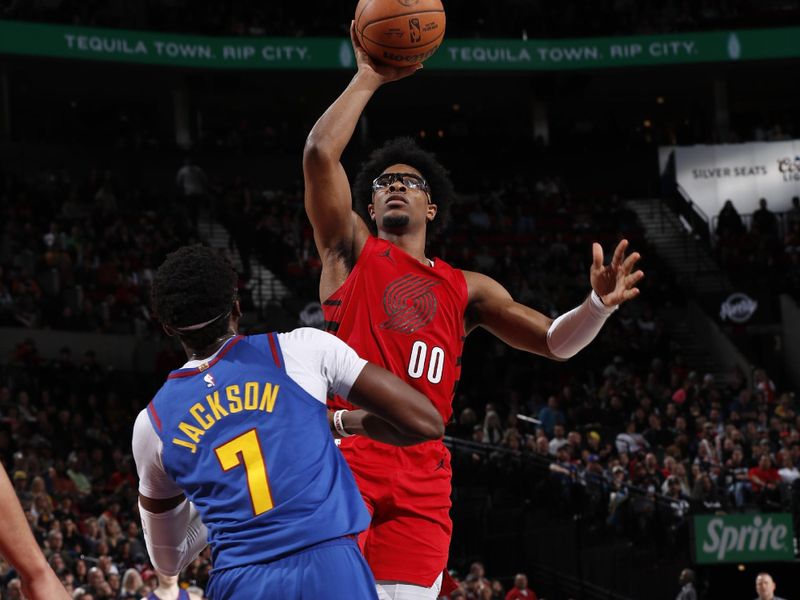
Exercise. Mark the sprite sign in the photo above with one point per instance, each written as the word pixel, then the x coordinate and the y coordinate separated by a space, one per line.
pixel 743 538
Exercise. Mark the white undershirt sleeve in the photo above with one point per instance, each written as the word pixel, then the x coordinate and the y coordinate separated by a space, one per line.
pixel 320 362
pixel 573 331
pixel 153 479
pixel 175 537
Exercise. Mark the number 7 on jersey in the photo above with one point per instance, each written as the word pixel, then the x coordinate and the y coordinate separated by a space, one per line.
pixel 246 450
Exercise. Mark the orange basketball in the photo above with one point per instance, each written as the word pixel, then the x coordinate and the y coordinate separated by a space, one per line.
pixel 400 32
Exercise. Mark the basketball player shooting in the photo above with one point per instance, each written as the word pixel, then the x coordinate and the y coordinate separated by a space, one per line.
pixel 410 314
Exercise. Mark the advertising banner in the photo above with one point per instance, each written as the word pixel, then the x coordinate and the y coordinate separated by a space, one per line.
pixel 65 41
pixel 743 538
pixel 742 173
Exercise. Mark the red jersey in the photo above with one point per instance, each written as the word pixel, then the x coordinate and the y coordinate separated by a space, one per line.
pixel 404 316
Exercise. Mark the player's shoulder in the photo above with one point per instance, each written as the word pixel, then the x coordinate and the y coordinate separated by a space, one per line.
pixel 309 345
pixel 482 287
pixel 307 336
pixel 144 433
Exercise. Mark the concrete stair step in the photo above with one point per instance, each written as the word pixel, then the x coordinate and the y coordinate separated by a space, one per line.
pixel 264 286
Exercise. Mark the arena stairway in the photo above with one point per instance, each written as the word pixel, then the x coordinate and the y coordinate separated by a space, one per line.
pixel 264 287
pixel 687 256
pixel 697 271
pixel 692 346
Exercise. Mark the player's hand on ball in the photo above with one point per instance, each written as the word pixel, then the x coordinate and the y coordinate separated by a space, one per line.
pixel 384 73
pixel 615 283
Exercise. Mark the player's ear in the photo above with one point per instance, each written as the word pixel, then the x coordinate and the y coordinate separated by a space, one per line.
pixel 431 212
pixel 168 330
pixel 236 311
pixel 371 211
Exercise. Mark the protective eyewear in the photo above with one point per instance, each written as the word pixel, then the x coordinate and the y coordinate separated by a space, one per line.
pixel 409 180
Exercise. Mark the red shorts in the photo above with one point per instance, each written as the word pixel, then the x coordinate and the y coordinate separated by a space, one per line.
pixel 407 490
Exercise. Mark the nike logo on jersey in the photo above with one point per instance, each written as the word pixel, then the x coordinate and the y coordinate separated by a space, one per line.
pixel 209 379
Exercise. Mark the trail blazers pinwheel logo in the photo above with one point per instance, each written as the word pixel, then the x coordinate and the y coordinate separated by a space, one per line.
pixel 409 303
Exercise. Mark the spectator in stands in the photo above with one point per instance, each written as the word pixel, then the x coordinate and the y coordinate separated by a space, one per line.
pixel 737 479
pixel 631 442
pixel 764 481
pixel 492 430
pixel 789 473
pixel 705 493
pixel 132 585
pixel 551 415
pixel 764 223
pixel 520 589
pixel 687 586
pixel 168 589
pixel 558 441
pixel 192 186
pixel 764 386
pixel 676 515
pixel 729 223
pixel 765 587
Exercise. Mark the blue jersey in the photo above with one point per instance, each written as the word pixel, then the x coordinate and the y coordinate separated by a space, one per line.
pixel 254 453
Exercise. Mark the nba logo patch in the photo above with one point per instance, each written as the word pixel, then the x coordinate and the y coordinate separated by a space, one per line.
pixel 414 30
pixel 209 379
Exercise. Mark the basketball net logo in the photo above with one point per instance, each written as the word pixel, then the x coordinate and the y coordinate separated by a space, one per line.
pixel 414 30
pixel 409 303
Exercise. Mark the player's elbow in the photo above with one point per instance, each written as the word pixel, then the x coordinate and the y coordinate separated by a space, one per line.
pixel 317 151
pixel 437 428
pixel 429 426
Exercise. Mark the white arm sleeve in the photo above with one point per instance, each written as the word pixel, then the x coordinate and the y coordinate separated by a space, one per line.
pixel 573 331
pixel 174 538
pixel 153 479
pixel 320 362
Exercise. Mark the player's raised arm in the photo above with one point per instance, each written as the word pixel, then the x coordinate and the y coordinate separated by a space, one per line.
pixel 492 307
pixel 327 190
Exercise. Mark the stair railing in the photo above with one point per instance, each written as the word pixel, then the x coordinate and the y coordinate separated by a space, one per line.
pixel 698 220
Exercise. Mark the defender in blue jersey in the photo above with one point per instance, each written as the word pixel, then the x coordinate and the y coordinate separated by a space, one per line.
pixel 236 450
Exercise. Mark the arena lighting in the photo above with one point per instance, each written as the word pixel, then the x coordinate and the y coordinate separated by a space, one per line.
pixel 456 107
pixel 741 567
pixel 440 133
pixel 647 123
pixel 422 133
pixel 660 100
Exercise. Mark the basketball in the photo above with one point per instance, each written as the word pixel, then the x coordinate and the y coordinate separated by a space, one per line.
pixel 401 33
